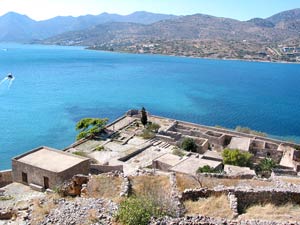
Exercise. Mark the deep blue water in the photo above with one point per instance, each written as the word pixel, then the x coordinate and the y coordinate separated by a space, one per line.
pixel 56 86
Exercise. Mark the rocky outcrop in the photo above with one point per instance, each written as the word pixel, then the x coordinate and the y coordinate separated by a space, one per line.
pixel 7 214
pixel 74 186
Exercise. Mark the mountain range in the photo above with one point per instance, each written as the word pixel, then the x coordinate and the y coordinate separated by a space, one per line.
pixel 196 35
pixel 21 28
pixel 281 27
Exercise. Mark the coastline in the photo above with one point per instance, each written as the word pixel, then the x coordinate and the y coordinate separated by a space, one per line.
pixel 197 57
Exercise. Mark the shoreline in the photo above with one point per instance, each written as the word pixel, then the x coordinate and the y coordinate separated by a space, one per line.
pixel 193 57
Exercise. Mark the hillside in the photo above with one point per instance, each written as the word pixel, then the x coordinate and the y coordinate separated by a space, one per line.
pixel 20 28
pixel 195 35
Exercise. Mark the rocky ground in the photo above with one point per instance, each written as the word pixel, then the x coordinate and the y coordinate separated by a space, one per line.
pixel 81 211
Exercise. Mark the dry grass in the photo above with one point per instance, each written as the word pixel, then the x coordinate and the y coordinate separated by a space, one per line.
pixel 212 206
pixel 145 185
pixel 288 212
pixel 291 180
pixel 102 186
pixel 185 182
pixel 41 210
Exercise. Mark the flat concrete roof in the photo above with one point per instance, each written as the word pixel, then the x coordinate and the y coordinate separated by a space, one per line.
pixel 50 159
pixel 212 155
pixel 240 143
pixel 191 164
pixel 170 159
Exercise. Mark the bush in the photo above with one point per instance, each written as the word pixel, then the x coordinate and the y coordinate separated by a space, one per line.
pixel 137 210
pixel 153 127
pixel 90 127
pixel 188 144
pixel 99 148
pixel 147 134
pixel 178 152
pixel 80 153
pixel 206 169
pixel 247 130
pixel 264 168
pixel 237 158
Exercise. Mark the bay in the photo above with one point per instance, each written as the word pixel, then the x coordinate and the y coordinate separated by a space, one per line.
pixel 56 86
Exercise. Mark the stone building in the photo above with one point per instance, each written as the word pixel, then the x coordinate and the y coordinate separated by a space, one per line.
pixel 44 167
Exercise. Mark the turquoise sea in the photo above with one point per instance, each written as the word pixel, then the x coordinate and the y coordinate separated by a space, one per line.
pixel 56 86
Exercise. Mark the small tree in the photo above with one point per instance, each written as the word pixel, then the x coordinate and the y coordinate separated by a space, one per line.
pixel 264 168
pixel 90 127
pixel 206 169
pixel 237 158
pixel 144 118
pixel 188 144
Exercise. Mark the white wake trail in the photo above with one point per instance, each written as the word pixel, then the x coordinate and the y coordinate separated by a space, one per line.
pixel 3 80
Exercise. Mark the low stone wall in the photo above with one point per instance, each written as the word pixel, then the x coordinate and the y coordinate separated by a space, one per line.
pixel 5 177
pixel 97 168
pixel 246 197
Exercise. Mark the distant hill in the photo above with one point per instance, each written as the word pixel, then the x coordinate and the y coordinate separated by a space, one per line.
pixel 198 36
pixel 193 27
pixel 16 27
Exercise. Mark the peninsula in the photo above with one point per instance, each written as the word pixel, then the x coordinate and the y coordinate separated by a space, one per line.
pixel 146 169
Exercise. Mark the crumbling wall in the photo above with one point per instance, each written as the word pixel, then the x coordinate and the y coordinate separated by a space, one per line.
pixel 246 197
pixel 5 177
pixel 97 168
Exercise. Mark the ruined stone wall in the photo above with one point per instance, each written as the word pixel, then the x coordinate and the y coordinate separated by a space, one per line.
pixel 5 177
pixel 97 168
pixel 246 197
pixel 160 165
pixel 271 153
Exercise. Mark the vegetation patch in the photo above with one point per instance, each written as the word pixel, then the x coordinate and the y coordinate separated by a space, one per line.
pixel 102 186
pixel 214 206
pixel 80 153
pixel 6 198
pixel 42 208
pixel 206 169
pixel 189 144
pixel 150 130
pixel 237 158
pixel 264 168
pixel 138 210
pixel 247 130
pixel 288 212
pixel 187 182
pixel 90 127
pixel 178 152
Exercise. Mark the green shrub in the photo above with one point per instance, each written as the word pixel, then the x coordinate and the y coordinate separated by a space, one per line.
pixel 90 127
pixel 237 158
pixel 147 134
pixel 206 169
pixel 264 168
pixel 247 130
pixel 137 211
pixel 178 152
pixel 99 148
pixel 153 127
pixel 188 144
pixel 79 153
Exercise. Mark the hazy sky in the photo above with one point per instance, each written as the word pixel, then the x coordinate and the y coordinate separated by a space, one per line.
pixel 237 9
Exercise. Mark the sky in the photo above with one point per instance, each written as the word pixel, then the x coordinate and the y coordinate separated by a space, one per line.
pixel 236 9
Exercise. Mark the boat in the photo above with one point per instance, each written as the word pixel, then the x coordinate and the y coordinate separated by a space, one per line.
pixel 10 76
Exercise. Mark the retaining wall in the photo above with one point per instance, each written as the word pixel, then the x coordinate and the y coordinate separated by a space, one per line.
pixel 97 168
pixel 5 177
